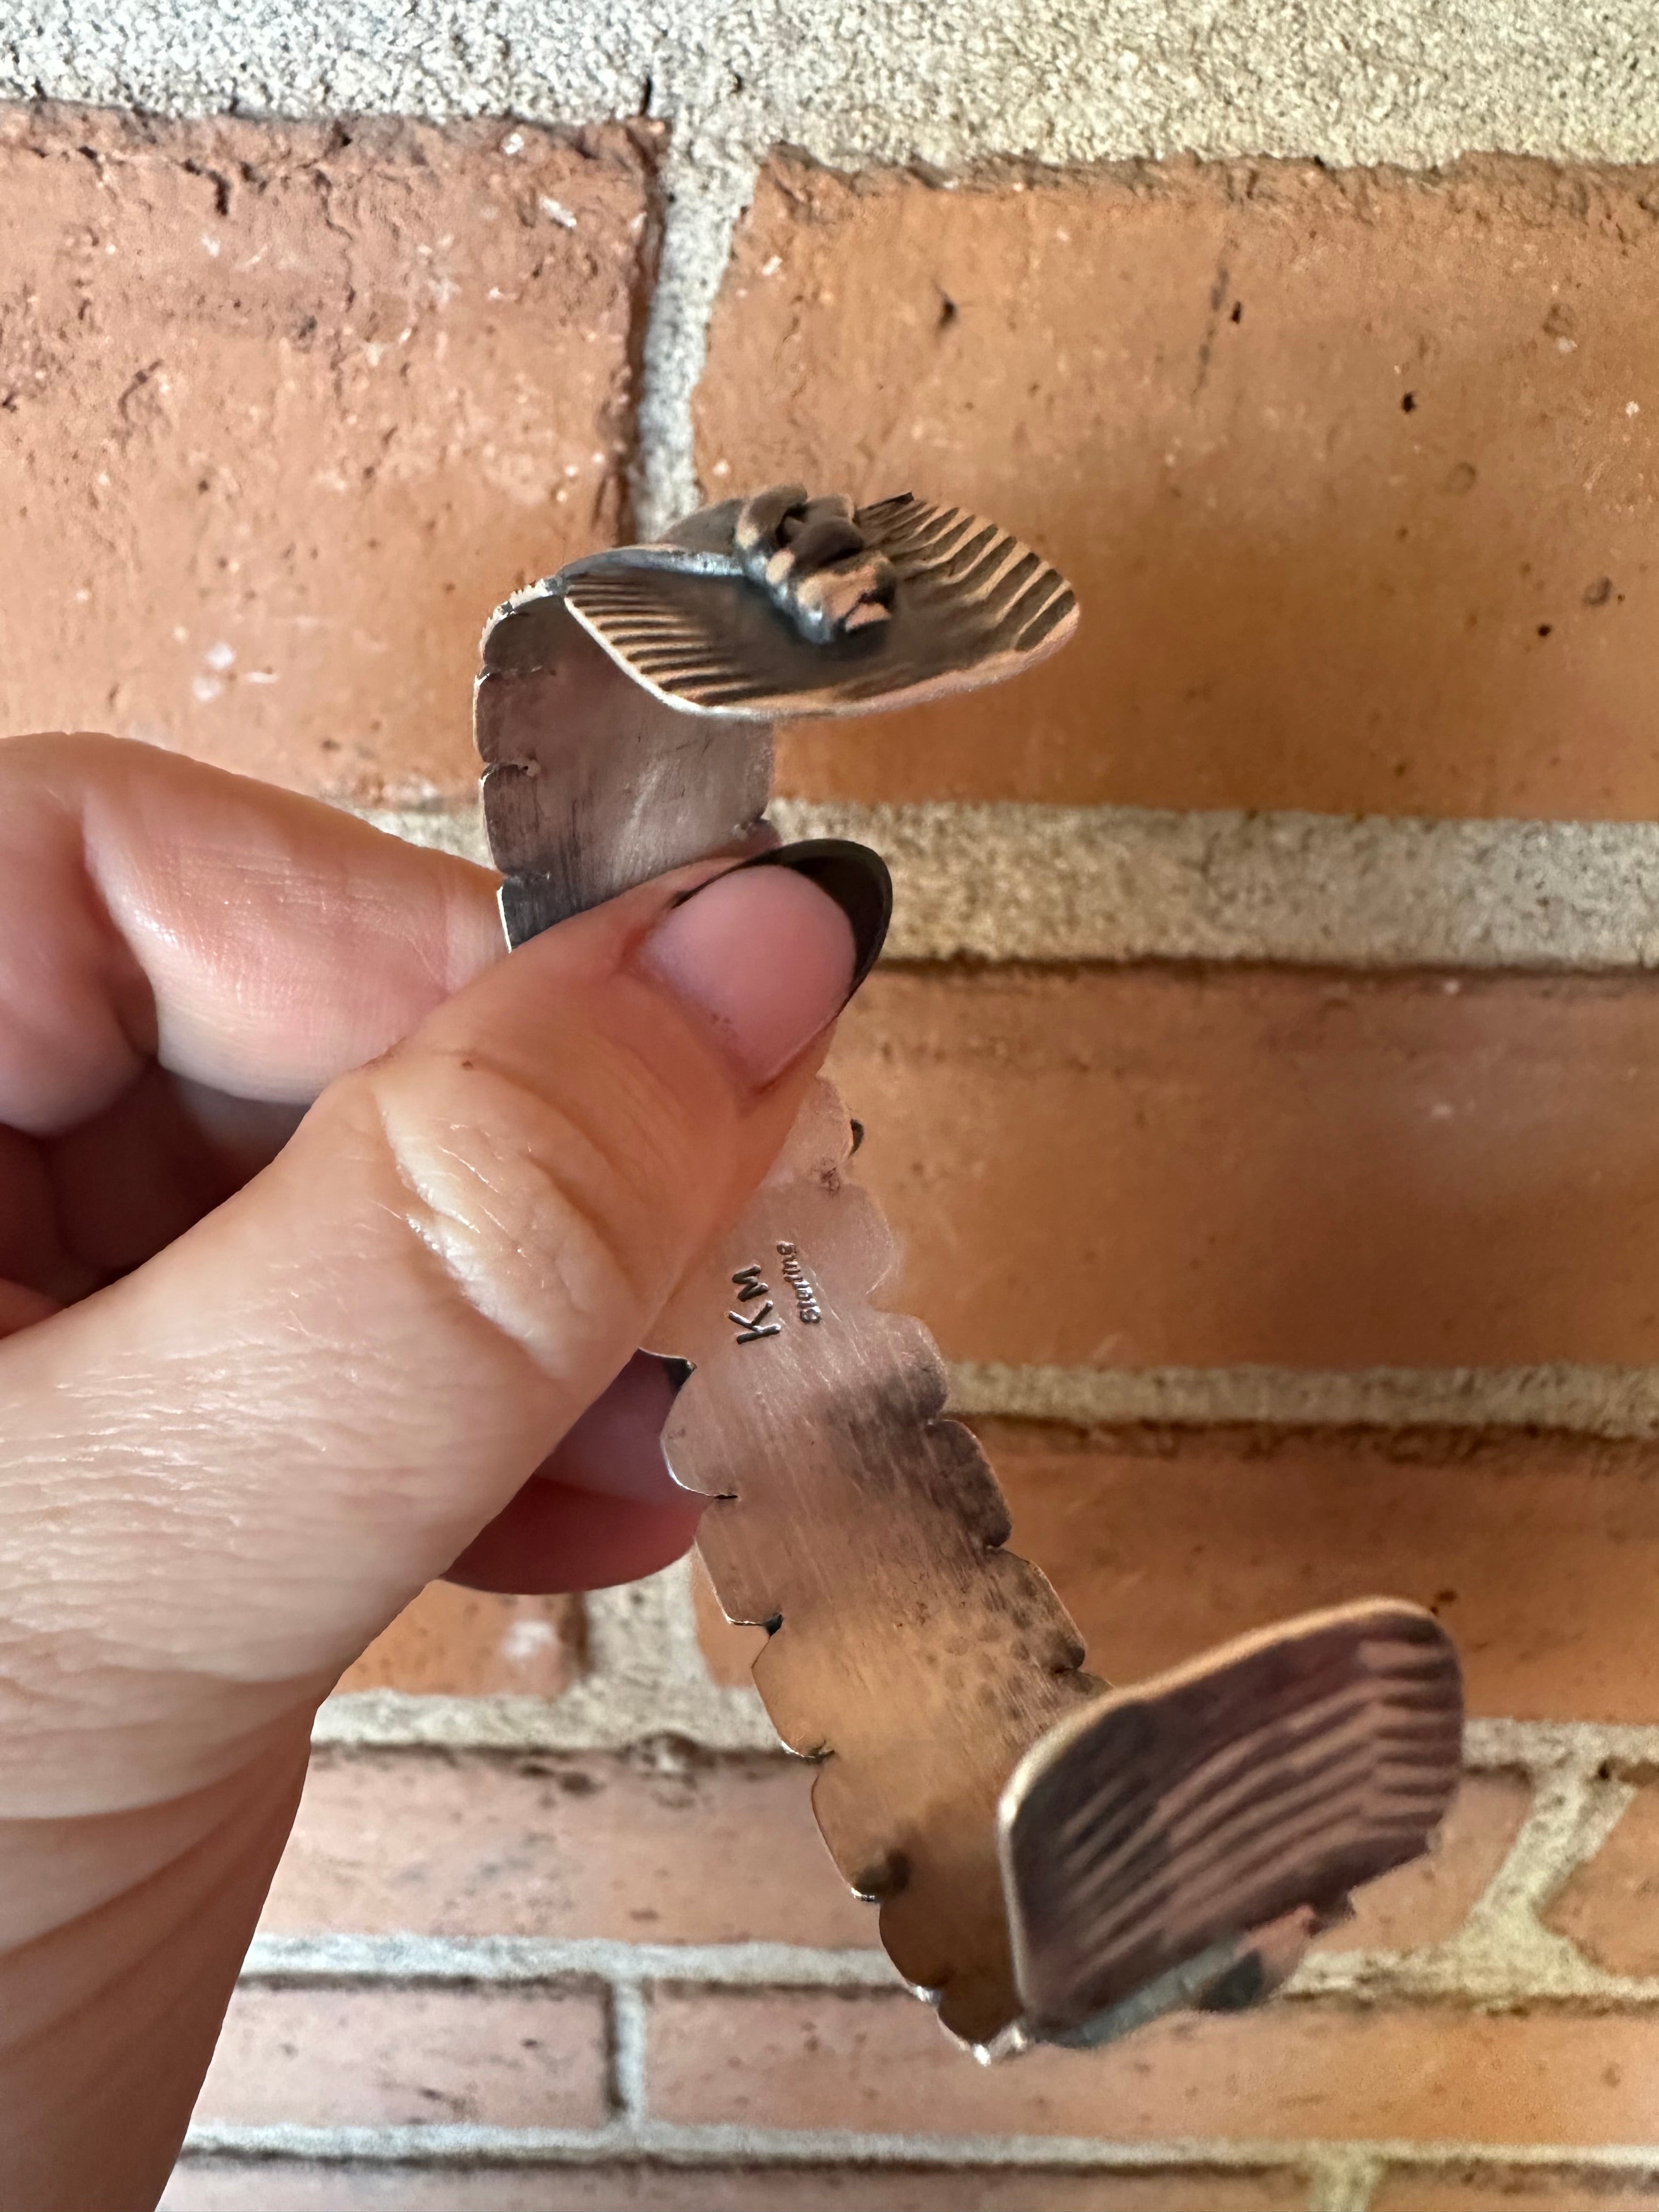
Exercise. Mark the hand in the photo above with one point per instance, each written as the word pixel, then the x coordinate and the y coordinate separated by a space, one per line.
pixel 271 1365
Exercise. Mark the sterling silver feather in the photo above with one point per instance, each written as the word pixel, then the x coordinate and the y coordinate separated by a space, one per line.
pixel 1053 1859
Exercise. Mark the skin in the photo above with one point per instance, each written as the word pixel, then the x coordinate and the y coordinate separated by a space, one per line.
pixel 327 1233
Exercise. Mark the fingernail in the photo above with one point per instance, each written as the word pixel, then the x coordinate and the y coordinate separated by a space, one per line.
pixel 772 951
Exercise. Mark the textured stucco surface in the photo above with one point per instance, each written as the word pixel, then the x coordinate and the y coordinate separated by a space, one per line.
pixel 1405 81
pixel 1077 882
pixel 1012 882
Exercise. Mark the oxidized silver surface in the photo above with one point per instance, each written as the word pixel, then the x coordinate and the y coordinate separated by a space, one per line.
pixel 1052 1859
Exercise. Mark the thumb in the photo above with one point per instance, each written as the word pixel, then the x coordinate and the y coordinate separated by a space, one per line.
pixel 223 1475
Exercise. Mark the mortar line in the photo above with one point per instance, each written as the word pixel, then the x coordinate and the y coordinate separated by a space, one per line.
pixel 630 2033
pixel 1504 1955
pixel 1574 1810
pixel 1491 1744
pixel 1488 1963
pixel 706 186
pixel 1343 2180
pixel 715 2143
pixel 646 1633
pixel 1018 881
pixel 1535 1747
pixel 299 1961
pixel 410 1722
pixel 1611 1403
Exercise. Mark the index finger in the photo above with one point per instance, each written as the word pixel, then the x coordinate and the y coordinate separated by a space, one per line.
pixel 249 939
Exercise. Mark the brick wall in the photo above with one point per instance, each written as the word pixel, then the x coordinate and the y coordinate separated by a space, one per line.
pixel 1262 1076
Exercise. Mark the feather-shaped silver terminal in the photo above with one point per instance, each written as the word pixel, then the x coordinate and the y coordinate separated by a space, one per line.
pixel 784 626
pixel 1052 1859
pixel 1149 1841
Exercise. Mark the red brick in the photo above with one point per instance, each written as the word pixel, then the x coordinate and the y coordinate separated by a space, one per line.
pixel 1325 455
pixel 725 1852
pixel 291 406
pixel 460 1642
pixel 400 2056
pixel 1295 2072
pixel 1540 1553
pixel 1610 1908
pixel 1511 2189
pixel 218 2187
pixel 1140 1167
pixel 693 1851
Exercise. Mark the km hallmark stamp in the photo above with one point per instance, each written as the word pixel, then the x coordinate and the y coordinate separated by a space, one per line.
pixel 755 1293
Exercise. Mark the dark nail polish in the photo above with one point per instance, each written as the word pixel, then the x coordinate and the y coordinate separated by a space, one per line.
pixel 853 875
pixel 762 960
